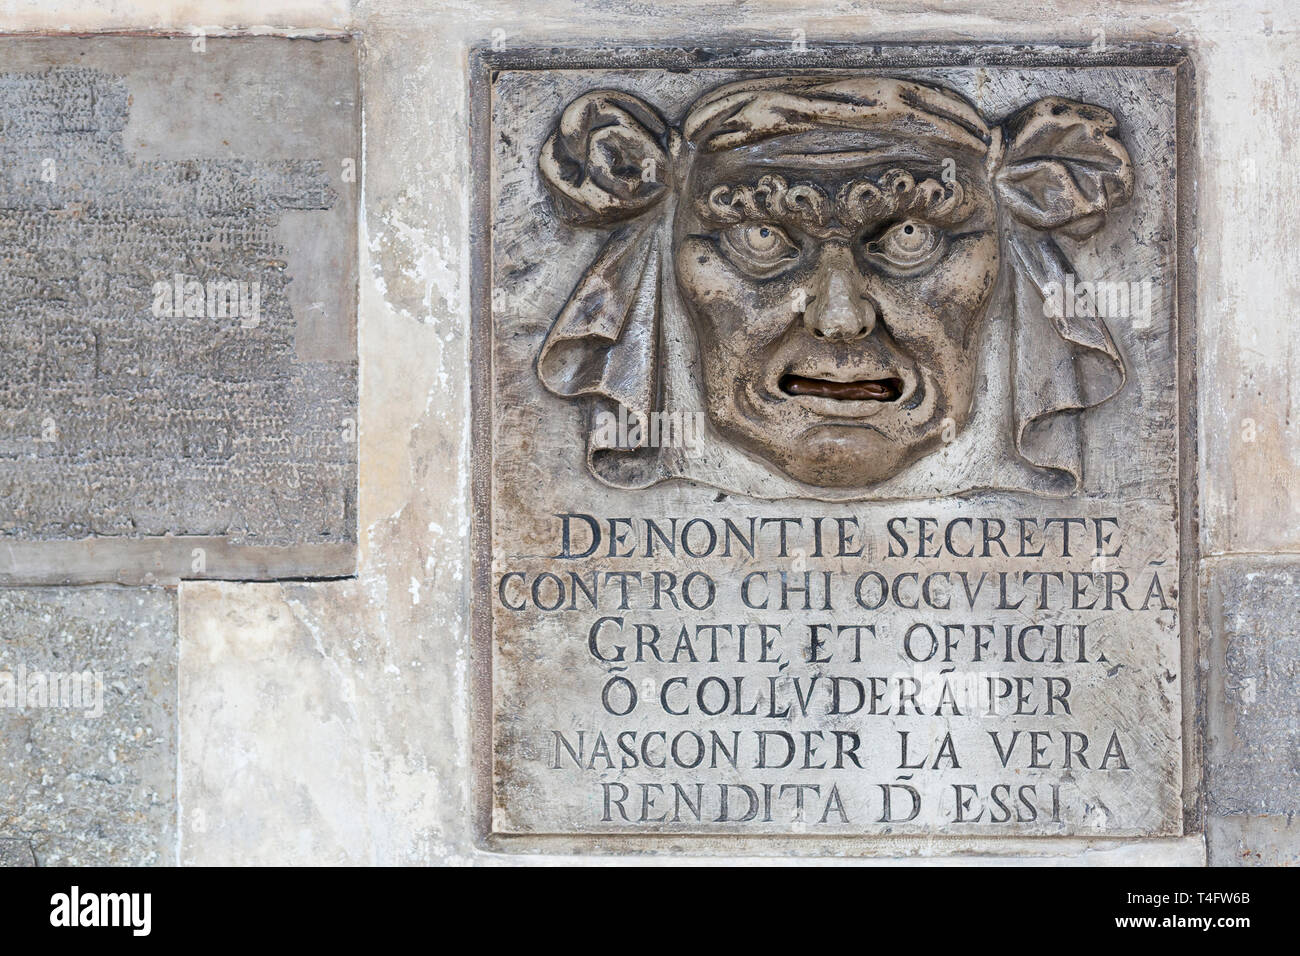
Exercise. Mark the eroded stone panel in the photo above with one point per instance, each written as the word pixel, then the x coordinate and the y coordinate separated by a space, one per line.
pixel 352 773
pixel 829 452
pixel 88 726
pixel 177 231
pixel 1253 718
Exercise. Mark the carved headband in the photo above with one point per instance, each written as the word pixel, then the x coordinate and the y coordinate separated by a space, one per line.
pixel 1057 166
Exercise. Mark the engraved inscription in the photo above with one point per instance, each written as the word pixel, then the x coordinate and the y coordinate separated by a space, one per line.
pixel 834 453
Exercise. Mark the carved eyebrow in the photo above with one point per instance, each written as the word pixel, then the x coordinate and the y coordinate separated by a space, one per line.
pixel 836 158
pixel 855 205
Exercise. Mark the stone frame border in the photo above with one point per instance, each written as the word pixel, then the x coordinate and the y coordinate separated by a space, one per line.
pixel 761 55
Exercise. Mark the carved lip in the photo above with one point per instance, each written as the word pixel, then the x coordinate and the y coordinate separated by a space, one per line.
pixel 865 390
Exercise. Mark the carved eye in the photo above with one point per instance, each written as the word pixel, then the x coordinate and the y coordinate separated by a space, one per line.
pixel 760 248
pixel 907 244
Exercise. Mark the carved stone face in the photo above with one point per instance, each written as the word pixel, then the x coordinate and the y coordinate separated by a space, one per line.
pixel 837 299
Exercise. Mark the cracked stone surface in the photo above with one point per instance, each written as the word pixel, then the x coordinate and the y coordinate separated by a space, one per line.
pixel 88 726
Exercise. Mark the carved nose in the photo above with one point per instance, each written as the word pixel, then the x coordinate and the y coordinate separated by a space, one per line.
pixel 839 309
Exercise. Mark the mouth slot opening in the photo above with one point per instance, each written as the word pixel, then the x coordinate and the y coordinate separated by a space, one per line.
pixel 867 390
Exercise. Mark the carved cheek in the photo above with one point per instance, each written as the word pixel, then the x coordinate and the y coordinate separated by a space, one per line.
pixel 929 328
pixel 974 279
pixel 732 310
pixel 956 293
pixel 915 312
pixel 971 270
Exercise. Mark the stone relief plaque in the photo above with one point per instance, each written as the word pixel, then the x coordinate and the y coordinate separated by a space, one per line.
pixel 177 224
pixel 828 460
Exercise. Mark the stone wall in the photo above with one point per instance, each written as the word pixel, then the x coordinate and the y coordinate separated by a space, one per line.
pixel 333 719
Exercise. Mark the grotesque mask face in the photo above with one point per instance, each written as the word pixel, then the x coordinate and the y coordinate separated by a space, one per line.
pixel 837 300
pixel 834 243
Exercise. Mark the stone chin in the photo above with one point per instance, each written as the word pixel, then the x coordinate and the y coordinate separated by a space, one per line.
pixel 845 455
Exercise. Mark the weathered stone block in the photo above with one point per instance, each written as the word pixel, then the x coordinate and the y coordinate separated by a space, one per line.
pixel 361 767
pixel 177 228
pixel 1252 759
pixel 88 725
